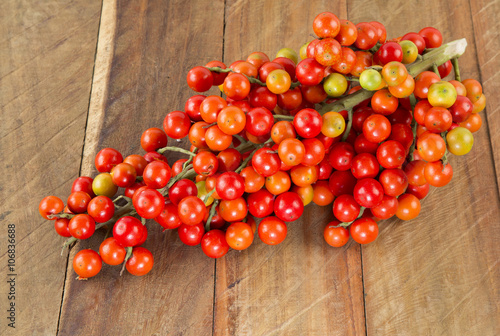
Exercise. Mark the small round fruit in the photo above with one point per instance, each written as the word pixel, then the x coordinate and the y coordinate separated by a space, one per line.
pixel 87 263
pixel 141 261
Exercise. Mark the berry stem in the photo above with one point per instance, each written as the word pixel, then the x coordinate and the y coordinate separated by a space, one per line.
pixel 127 257
pixel 189 172
pixel 211 215
pixel 252 80
pixel 435 56
pixel 175 149
pixel 348 126
pixel 240 138
pixel 245 162
pixel 126 210
pixel 456 68
pixel 346 224
pixel 61 215
pixel 283 117
pixel 436 70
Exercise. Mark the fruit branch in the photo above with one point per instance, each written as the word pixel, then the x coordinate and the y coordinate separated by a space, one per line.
pixel 436 56
pixel 127 209
pixel 175 149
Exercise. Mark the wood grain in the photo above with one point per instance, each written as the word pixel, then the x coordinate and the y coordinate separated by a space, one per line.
pixel 486 33
pixel 47 50
pixel 145 49
pixel 437 274
pixel 302 286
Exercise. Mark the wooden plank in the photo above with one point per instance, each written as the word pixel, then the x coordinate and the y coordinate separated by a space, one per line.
pixel 47 50
pixel 438 274
pixel 145 49
pixel 302 286
pixel 486 32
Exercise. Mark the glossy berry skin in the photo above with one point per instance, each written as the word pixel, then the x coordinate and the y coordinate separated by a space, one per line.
pixel 111 252
pixel 394 181
pixel 368 192
pixel 259 121
pixel 192 210
pixel 265 162
pixel 157 174
pixel 261 203
pixel 308 123
pixel 341 156
pixel 365 165
pixel 123 175
pixel 432 37
pixel 345 208
pixel 181 189
pixel 153 138
pixel 391 154
pixel 84 183
pixel 335 235
pixel 239 235
pixel 61 227
pixel 387 208
pixel 128 231
pixel 192 107
pixel 205 163
pixel 326 24
pixel 81 226
pixel 342 182
pixel 101 208
pixel 176 125
pixel 364 230
pixel 78 201
pixel 106 159
pixel 87 263
pixel 288 206
pixel 141 262
pixel 272 230
pixel 328 52
pixel 200 79
pixel 309 72
pixel 50 205
pixel 148 203
pixel 389 52
pixel 214 244
pixel 230 185
pixel 191 235
pixel 169 217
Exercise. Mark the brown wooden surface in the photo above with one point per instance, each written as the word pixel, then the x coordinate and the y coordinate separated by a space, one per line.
pixel 436 275
pixel 47 53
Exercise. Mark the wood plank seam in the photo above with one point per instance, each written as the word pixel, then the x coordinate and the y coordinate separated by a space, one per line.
pixel 101 84
pixel 215 261
pixel 480 79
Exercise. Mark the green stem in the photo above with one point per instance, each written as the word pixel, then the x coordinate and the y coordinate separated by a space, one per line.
pixel 175 149
pixel 283 117
pixel 346 224
pixel 245 162
pixel 61 215
pixel 127 257
pixel 348 126
pixel 456 68
pixel 126 210
pixel 240 138
pixel 436 70
pixel 188 173
pixel 211 215
pixel 436 56
pixel 208 195
pixel 252 80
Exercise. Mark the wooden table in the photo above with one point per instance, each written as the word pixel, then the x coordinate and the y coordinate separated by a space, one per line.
pixel 78 76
